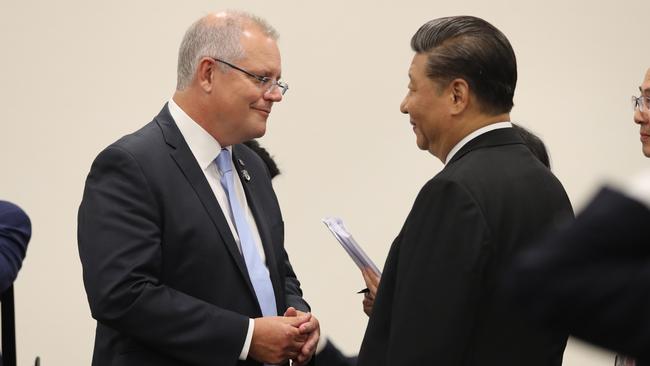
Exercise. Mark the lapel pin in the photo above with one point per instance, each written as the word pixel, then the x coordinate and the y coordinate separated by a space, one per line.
pixel 241 162
pixel 247 177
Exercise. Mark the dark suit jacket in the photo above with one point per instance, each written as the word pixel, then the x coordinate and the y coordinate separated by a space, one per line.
pixel 15 231
pixel 592 279
pixel 163 274
pixel 437 302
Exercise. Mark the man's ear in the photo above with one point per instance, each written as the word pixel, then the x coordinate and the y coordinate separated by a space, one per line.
pixel 459 93
pixel 205 74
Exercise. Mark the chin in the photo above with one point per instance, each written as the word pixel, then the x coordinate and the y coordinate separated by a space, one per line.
pixel 262 131
pixel 256 129
pixel 421 145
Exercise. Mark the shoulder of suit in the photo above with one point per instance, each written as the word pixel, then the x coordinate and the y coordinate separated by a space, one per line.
pixel 13 215
pixel 447 186
pixel 142 141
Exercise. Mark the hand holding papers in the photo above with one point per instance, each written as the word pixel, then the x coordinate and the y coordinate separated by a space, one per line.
pixel 350 245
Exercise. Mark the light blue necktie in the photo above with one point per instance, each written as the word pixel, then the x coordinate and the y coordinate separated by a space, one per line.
pixel 257 270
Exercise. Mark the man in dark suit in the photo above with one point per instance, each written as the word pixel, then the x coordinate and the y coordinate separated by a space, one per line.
pixel 591 279
pixel 15 231
pixel 437 301
pixel 180 233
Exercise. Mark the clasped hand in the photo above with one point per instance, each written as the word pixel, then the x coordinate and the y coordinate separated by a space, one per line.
pixel 277 339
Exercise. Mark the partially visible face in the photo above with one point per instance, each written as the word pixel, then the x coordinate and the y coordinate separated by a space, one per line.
pixel 642 118
pixel 426 104
pixel 242 106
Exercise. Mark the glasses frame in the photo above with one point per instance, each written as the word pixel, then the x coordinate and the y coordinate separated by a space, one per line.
pixel 264 80
pixel 642 103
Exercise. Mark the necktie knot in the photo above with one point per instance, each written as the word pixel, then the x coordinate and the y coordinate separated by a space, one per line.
pixel 224 161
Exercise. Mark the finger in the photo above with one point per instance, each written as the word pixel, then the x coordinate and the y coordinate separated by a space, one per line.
pixel 291 311
pixel 372 277
pixel 297 320
pixel 301 338
pixel 310 345
pixel 308 327
pixel 295 346
pixel 303 359
pixel 367 309
pixel 370 283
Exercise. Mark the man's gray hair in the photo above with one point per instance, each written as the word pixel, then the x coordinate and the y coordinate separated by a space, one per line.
pixel 218 36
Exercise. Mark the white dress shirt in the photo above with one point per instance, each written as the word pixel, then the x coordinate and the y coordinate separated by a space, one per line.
pixel 205 149
pixel 473 135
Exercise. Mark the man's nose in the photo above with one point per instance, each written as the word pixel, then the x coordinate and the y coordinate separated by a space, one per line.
pixel 641 116
pixel 403 108
pixel 274 94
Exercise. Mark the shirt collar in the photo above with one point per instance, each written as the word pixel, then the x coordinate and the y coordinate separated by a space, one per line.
pixel 473 135
pixel 204 147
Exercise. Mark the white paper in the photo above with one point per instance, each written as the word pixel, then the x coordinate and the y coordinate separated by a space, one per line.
pixel 335 225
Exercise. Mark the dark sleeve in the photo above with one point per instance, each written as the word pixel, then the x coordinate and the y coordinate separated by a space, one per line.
pixel 443 253
pixel 592 279
pixel 15 231
pixel 119 237
pixel 292 287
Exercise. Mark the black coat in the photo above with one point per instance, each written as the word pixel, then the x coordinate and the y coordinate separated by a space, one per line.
pixel 592 279
pixel 437 302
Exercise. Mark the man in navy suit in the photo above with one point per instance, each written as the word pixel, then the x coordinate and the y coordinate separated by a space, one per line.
pixel 592 279
pixel 15 231
pixel 180 234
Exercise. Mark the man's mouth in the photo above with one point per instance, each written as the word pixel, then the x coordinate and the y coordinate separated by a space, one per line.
pixel 263 110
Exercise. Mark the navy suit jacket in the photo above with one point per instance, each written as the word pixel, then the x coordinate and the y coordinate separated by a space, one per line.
pixel 164 276
pixel 15 231
pixel 437 302
pixel 592 279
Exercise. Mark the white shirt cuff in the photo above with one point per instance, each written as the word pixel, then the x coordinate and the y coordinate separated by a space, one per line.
pixel 247 344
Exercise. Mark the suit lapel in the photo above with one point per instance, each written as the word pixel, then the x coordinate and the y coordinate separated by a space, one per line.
pixel 183 157
pixel 249 184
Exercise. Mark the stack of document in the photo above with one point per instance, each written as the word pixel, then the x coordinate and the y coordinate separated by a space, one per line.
pixel 350 245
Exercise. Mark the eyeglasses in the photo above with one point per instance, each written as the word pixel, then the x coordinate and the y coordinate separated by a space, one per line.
pixel 265 82
pixel 641 103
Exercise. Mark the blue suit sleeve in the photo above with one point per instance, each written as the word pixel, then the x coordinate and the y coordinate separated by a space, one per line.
pixel 15 231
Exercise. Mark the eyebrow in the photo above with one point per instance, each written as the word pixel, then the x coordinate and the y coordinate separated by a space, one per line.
pixel 645 91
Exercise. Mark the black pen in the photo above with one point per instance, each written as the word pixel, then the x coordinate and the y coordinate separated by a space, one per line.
pixel 364 291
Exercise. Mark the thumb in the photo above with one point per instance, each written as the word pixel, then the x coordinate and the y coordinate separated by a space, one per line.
pixel 291 311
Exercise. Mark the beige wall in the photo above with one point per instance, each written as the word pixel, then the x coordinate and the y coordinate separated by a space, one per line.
pixel 76 75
